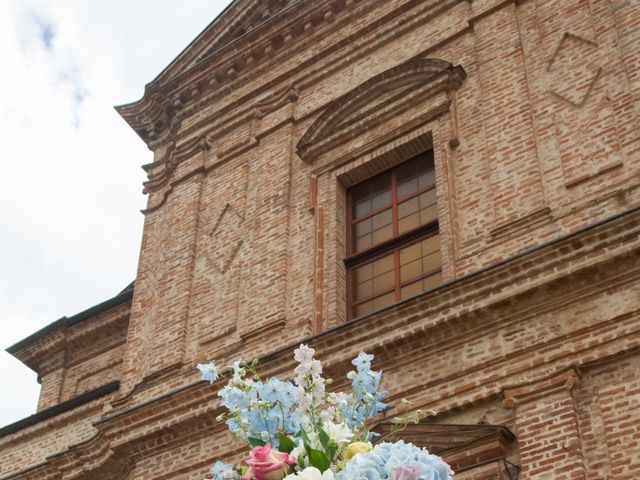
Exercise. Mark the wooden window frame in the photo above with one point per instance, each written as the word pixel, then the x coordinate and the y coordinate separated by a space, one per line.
pixel 394 244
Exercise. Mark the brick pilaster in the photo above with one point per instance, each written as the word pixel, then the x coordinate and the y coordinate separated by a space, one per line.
pixel 547 428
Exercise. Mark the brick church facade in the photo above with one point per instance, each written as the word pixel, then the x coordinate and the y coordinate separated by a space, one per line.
pixel 452 185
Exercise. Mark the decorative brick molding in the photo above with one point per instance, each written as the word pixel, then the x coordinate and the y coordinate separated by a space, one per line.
pixel 562 382
pixel 378 100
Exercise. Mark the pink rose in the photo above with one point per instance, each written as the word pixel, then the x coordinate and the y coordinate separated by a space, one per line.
pixel 405 472
pixel 267 464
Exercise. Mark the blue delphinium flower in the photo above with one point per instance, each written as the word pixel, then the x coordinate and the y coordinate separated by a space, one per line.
pixel 209 372
pixel 379 463
pixel 365 401
pixel 362 361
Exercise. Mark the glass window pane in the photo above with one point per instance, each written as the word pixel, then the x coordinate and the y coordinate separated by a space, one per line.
pixel 410 253
pixel 382 234
pixel 407 208
pixel 432 281
pixel 363 228
pixel 428 198
pixel 363 243
pixel 431 262
pixel 411 270
pixel 384 300
pixel 383 282
pixel 362 273
pixel 362 208
pixel 411 289
pixel 407 187
pixel 381 199
pixel 383 265
pixel 431 244
pixel 363 309
pixel 363 290
pixel 420 258
pixel 429 215
pixel 381 219
pixel 409 223
pixel 427 178
pixel 371 195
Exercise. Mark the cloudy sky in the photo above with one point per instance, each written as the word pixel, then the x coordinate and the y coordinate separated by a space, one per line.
pixel 70 178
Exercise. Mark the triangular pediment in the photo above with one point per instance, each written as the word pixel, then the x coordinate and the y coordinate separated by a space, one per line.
pixel 239 18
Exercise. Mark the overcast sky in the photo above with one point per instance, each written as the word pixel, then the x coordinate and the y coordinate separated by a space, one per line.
pixel 70 177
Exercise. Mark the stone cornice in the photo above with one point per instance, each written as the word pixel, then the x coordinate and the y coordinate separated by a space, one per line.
pixel 45 351
pixel 594 249
pixel 158 112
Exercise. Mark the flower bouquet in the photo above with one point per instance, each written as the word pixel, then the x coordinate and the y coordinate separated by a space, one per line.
pixel 298 430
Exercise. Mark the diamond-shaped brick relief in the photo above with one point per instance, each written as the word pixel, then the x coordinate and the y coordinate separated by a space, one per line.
pixel 573 73
pixel 225 239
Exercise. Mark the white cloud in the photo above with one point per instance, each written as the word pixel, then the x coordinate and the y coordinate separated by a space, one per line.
pixel 70 225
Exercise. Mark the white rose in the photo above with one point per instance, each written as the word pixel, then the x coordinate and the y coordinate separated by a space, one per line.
pixel 338 432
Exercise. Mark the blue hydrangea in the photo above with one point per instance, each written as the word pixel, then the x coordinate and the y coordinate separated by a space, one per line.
pixel 223 471
pixel 260 410
pixel 379 463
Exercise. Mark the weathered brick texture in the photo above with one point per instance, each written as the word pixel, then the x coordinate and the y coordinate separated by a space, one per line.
pixel 532 110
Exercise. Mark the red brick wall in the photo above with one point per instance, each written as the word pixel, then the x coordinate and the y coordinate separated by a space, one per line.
pixel 244 241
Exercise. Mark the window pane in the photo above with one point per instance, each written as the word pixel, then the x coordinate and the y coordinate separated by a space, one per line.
pixel 383 282
pixel 371 195
pixel 407 187
pixel 411 253
pixel 407 208
pixel 428 207
pixel 407 177
pixel 432 281
pixel 431 262
pixel 362 228
pixel 427 178
pixel 431 244
pixel 382 219
pixel 363 290
pixel 411 290
pixel 428 198
pixel 384 300
pixel 420 258
pixel 415 175
pixel 382 234
pixel 373 230
pixel 363 309
pixel 373 278
pixel 421 285
pixel 409 223
pixel 383 265
pixel 411 270
pixel 363 243
pixel 363 273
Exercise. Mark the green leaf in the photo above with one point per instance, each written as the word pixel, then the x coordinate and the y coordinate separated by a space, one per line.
pixel 333 449
pixel 324 438
pixel 319 460
pixel 305 437
pixel 256 442
pixel 286 444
